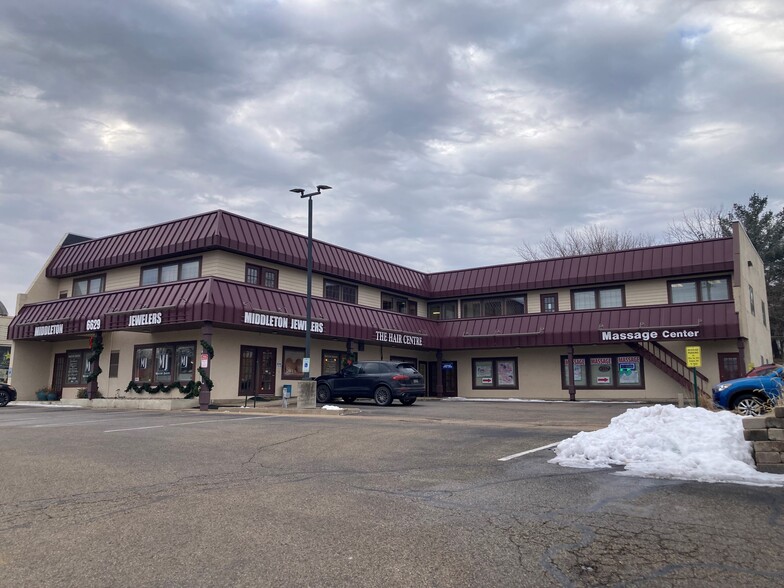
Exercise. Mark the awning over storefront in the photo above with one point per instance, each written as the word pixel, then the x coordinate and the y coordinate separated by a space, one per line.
pixel 237 305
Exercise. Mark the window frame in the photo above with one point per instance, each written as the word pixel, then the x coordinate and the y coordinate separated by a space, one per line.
pixel 698 288
pixel 541 302
pixel 614 385
pixel 114 363
pixel 495 385
pixel 287 349
pixel 159 267
pixel 396 299
pixel 154 347
pixel 87 279
pixel 597 297
pixel 83 355
pixel 483 301
pixel 344 287
pixel 262 271
pixel 441 303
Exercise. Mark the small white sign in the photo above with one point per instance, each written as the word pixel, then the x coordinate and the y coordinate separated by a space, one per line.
pixel 306 364
pixel 205 360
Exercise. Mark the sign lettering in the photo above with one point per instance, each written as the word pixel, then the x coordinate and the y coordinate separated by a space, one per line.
pixel 282 322
pixel 139 320
pixel 48 330
pixel 388 337
pixel 649 335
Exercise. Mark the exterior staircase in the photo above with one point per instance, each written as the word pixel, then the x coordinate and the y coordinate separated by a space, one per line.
pixel 672 365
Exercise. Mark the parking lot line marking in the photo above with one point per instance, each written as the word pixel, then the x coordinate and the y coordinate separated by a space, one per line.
pixel 190 423
pixel 508 457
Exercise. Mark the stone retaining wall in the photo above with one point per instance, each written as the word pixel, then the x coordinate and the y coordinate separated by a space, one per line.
pixel 767 435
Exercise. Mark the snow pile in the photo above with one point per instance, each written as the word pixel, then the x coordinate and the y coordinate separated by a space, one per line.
pixel 664 441
pixel 331 407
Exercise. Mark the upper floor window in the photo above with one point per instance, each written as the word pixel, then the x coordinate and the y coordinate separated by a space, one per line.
pixel 549 302
pixel 340 291
pixel 85 286
pixel 764 314
pixel 261 276
pixel 611 297
pixel 699 290
pixel 171 272
pixel 398 304
pixel 480 307
pixel 442 311
pixel 751 301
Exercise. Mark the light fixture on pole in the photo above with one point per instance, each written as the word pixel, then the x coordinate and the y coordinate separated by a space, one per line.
pixel 309 196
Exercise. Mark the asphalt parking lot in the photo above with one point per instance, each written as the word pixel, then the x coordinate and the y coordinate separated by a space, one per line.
pixel 404 496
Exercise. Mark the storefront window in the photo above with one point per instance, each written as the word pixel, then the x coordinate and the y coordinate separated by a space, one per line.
pixel 185 356
pixel 164 364
pixel 604 371
pixel 292 363
pixel 628 370
pixel 494 373
pixel 580 373
pixel 143 365
pixel 601 371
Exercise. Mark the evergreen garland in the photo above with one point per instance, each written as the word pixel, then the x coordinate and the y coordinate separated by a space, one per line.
pixel 96 349
pixel 190 389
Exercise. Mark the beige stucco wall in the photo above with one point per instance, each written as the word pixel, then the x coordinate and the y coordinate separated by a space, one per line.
pixel 31 363
pixel 749 271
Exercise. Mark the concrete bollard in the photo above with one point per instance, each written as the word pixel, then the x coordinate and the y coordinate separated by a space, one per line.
pixel 306 394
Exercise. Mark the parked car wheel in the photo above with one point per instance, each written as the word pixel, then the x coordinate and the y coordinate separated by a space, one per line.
pixel 323 394
pixel 383 396
pixel 749 405
pixel 408 401
pixel 349 399
pixel 5 398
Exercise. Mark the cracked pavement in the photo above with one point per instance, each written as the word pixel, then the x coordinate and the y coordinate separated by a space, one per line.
pixel 400 496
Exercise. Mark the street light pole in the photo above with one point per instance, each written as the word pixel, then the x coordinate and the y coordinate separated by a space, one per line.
pixel 308 312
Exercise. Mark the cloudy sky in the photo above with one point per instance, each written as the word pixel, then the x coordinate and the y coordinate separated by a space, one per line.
pixel 450 130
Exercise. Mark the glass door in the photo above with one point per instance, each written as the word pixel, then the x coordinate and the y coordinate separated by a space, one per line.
pixel 257 371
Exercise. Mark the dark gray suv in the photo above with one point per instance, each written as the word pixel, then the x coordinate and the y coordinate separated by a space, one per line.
pixel 383 381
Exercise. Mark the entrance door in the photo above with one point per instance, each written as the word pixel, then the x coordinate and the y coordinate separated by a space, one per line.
pixel 729 366
pixel 257 370
pixel 58 374
pixel 448 375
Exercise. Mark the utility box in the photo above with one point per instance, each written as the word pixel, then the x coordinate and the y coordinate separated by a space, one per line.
pixel 286 390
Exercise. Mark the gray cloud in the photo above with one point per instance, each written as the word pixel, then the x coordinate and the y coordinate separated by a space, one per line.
pixel 451 130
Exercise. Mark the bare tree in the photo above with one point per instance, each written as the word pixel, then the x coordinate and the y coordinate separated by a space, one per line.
pixel 589 239
pixel 698 224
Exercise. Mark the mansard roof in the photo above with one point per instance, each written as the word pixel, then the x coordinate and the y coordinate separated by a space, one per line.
pixel 223 230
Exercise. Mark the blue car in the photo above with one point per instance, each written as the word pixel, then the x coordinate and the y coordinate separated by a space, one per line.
pixel 749 396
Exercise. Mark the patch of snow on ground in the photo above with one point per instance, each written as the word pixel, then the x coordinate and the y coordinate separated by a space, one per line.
pixel 331 407
pixel 664 441
pixel 41 404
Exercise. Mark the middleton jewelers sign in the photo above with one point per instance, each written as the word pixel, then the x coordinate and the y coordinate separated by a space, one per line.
pixel 281 322
pixel 650 335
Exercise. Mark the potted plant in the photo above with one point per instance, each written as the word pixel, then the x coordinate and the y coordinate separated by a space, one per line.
pixel 52 395
pixel 42 393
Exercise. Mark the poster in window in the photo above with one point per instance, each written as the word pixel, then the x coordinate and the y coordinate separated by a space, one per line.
pixel 72 366
pixel 143 365
pixel 601 372
pixel 505 370
pixel 579 371
pixel 163 364
pixel 629 370
pixel 292 363
pixel 185 358
pixel 330 363
pixel 483 374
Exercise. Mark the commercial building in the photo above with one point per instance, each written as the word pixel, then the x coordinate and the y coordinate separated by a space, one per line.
pixel 148 308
